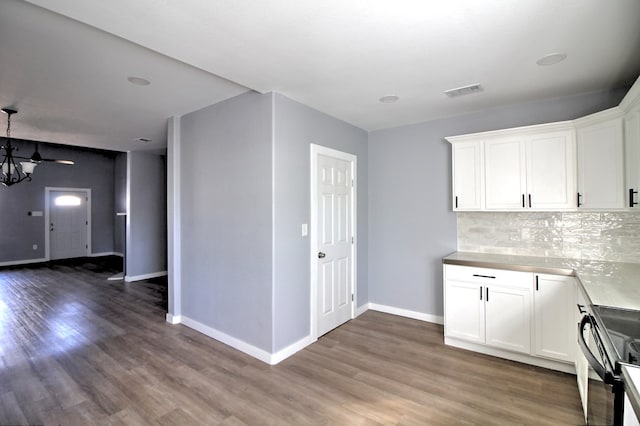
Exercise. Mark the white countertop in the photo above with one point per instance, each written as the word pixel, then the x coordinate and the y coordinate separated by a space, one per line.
pixel 605 283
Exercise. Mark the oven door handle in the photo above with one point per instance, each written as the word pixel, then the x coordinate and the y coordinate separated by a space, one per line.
pixel 591 359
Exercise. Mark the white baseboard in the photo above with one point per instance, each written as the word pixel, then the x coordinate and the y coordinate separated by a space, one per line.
pixel 173 319
pixel 242 346
pixel 362 309
pixel 407 313
pixel 129 278
pixel 238 344
pixel 566 367
pixel 285 353
pixel 22 262
pixel 104 253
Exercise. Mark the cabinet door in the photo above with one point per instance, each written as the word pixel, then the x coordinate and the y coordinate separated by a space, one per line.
pixel 581 363
pixel 467 175
pixel 464 311
pixel 505 176
pixel 551 171
pixel 632 157
pixel 508 318
pixel 600 165
pixel 555 328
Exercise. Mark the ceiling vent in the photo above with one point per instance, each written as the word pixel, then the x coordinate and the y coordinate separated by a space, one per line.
pixel 465 90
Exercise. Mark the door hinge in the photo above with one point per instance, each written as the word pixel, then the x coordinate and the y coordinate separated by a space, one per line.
pixel 352 297
pixel 351 240
pixel 86 222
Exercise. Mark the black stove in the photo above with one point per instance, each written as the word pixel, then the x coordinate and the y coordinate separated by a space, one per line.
pixel 622 327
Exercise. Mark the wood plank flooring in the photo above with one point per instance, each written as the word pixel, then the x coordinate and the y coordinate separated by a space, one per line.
pixel 76 349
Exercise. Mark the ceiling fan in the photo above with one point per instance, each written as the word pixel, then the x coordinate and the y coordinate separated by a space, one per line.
pixel 10 173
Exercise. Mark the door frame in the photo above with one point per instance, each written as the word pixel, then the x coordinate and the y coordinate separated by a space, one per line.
pixel 317 150
pixel 47 198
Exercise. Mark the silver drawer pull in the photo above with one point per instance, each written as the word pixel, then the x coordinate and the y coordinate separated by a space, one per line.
pixel 484 276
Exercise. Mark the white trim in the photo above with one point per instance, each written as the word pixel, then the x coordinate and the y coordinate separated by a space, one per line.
pixel 407 313
pixel 129 278
pixel 273 217
pixel 47 196
pixel 174 253
pixel 542 128
pixel 513 356
pixel 235 343
pixel 173 319
pixel 242 346
pixel 22 262
pixel 316 150
pixel 285 353
pixel 632 96
pixel 104 253
pixel 362 309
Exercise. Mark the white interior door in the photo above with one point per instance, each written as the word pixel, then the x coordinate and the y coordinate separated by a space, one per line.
pixel 334 242
pixel 68 222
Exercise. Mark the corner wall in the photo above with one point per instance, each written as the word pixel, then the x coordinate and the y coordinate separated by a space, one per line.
pixel 296 127
pixel 226 220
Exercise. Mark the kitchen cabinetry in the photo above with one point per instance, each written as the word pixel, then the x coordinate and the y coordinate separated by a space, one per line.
pixel 581 363
pixel 526 168
pixel 632 156
pixel 600 163
pixel 488 306
pixel 555 326
pixel 468 164
pixel 530 171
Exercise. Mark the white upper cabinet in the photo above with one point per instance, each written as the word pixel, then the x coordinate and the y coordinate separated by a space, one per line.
pixel 600 163
pixel 526 168
pixel 468 165
pixel 531 171
pixel 505 172
pixel 632 156
pixel 551 171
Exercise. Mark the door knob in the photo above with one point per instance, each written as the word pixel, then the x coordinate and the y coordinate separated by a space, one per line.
pixel 321 255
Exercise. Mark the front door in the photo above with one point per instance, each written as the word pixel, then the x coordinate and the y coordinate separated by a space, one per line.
pixel 68 222
pixel 334 236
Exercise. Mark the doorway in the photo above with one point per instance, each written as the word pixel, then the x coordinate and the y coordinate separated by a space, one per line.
pixel 67 221
pixel 333 238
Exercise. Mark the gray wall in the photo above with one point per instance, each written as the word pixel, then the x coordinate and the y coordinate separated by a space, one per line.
pixel 147 214
pixel 93 169
pixel 226 217
pixel 411 225
pixel 296 127
pixel 120 200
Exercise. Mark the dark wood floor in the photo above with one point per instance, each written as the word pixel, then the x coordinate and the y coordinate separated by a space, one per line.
pixel 78 349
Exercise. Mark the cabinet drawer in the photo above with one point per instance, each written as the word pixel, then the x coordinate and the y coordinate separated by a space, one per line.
pixel 488 276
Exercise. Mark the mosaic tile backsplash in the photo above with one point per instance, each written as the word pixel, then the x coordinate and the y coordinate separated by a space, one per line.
pixel 613 237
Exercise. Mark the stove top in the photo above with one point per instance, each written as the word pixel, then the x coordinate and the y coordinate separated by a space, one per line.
pixel 623 329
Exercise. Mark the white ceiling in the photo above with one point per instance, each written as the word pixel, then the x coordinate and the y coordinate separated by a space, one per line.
pixel 69 79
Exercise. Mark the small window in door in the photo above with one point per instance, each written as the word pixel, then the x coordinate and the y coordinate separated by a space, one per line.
pixel 68 200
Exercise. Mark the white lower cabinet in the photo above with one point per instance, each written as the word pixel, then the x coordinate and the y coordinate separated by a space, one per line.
pixel 532 316
pixel 488 306
pixel 555 329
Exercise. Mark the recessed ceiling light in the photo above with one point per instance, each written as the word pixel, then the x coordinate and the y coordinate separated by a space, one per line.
pixel 143 140
pixel 551 59
pixel 464 90
pixel 138 81
pixel 389 99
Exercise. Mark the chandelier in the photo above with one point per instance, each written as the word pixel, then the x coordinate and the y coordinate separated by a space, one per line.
pixel 10 171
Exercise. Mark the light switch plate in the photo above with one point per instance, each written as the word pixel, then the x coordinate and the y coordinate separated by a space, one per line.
pixel 305 230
